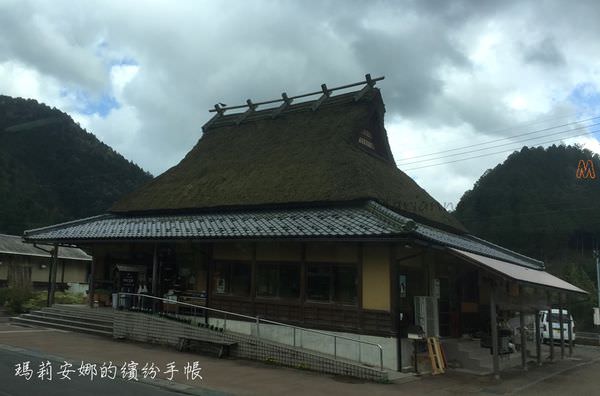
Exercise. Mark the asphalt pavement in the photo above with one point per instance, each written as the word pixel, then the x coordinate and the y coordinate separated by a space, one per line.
pixel 13 385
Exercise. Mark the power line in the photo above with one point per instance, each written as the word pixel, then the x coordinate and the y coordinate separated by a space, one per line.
pixel 500 139
pixel 499 152
pixel 504 144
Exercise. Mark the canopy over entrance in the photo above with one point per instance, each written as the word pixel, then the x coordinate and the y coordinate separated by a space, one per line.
pixel 517 272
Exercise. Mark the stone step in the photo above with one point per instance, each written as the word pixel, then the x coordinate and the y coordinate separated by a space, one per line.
pixel 75 315
pixel 80 312
pixel 77 322
pixel 40 323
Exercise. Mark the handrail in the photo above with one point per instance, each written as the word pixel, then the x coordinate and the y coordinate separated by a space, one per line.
pixel 258 319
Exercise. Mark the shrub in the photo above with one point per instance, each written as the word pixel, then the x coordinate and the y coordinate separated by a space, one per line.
pixel 15 299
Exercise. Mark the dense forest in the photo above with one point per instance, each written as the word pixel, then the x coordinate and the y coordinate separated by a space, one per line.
pixel 51 170
pixel 535 204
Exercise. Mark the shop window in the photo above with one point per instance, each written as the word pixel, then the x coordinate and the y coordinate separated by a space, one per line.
pixel 232 278
pixel 332 283
pixel 278 280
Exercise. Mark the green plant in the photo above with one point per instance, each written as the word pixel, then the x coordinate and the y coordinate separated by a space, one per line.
pixel 3 295
pixel 270 360
pixel 15 299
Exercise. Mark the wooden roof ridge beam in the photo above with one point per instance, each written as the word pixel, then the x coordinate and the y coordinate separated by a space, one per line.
pixel 219 111
pixel 323 98
pixel 245 114
pixel 370 84
pixel 286 103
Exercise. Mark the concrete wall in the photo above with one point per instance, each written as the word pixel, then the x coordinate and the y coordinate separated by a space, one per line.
pixel 322 342
pixel 151 328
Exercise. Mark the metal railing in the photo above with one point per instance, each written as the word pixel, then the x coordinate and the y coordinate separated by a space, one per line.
pixel 148 303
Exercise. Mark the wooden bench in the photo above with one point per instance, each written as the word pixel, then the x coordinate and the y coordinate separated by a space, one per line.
pixel 224 345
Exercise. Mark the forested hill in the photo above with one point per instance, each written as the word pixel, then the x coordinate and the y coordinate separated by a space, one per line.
pixel 535 204
pixel 51 170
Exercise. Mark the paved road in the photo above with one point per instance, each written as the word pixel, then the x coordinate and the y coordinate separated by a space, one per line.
pixel 11 385
pixel 576 376
pixel 580 380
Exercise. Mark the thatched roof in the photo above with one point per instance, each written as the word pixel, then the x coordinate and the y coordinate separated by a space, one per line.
pixel 300 157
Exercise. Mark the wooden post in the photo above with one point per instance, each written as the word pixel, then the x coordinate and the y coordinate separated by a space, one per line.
pixel 561 322
pixel 53 279
pixel 48 298
pixel 155 271
pixel 522 326
pixel 570 333
pixel 550 330
pixel 494 328
pixel 155 277
pixel 538 339
pixel 91 283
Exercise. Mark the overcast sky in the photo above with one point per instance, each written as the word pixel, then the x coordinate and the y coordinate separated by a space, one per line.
pixel 142 75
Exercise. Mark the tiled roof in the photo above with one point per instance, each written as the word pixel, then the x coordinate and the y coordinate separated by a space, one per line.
pixel 13 244
pixel 366 220
pixel 307 222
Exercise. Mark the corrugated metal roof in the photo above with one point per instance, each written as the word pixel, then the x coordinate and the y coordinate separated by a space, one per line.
pixel 12 244
pixel 477 245
pixel 367 220
pixel 519 273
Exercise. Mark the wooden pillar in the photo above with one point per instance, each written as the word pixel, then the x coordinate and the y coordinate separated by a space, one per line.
pixel 91 282
pixel 550 332
pixel 62 271
pixel 303 280
pixel 48 298
pixel 253 279
pixel 538 339
pixel 561 322
pixel 494 328
pixel 155 271
pixel 53 276
pixel 570 333
pixel 522 326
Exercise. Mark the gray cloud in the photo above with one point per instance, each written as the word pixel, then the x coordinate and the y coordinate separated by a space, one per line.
pixel 457 70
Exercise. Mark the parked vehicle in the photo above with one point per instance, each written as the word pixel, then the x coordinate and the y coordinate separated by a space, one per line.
pixel 545 327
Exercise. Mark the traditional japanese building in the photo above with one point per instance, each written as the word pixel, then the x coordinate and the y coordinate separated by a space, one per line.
pixel 23 264
pixel 294 210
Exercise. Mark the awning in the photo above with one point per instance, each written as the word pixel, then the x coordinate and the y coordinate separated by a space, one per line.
pixel 517 272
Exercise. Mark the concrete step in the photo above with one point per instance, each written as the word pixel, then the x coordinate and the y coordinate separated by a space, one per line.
pixel 77 322
pixel 80 312
pixel 75 316
pixel 40 323
pixel 83 309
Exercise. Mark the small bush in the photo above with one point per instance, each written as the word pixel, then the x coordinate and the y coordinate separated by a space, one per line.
pixel 15 299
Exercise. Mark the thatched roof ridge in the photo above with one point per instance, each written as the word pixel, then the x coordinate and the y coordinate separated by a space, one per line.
pixel 302 157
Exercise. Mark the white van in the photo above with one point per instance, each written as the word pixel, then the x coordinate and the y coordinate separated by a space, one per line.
pixel 545 328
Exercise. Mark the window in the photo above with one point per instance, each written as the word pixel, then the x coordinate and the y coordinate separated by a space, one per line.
pixel 232 278
pixel 332 283
pixel 366 139
pixel 278 280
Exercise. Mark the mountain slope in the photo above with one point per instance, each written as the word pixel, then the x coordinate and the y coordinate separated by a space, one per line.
pixel 51 170
pixel 535 204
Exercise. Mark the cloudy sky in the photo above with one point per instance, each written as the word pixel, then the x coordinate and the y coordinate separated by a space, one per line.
pixel 483 76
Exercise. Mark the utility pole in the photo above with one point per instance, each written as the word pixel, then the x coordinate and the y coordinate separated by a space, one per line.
pixel 597 256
